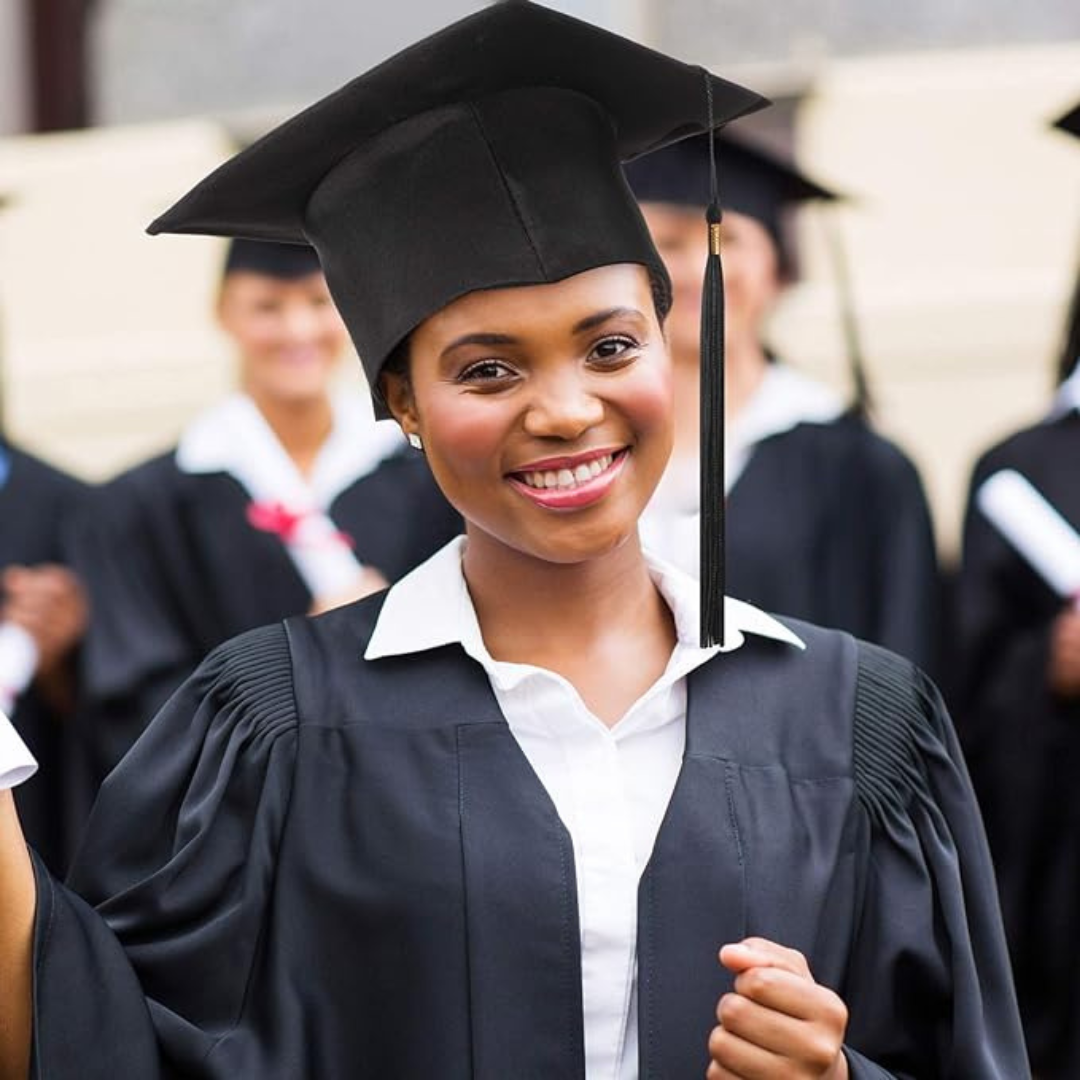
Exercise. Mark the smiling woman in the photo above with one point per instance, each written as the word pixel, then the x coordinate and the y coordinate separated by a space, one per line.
pixel 509 818
pixel 561 377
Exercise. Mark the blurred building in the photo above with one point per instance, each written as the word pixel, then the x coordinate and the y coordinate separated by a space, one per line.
pixel 962 233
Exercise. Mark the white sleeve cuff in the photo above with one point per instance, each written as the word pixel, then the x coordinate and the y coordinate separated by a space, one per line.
pixel 17 764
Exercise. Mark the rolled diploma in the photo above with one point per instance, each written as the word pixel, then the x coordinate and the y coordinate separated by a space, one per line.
pixel 18 662
pixel 1037 531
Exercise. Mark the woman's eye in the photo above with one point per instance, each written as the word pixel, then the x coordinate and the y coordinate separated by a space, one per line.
pixel 613 348
pixel 486 371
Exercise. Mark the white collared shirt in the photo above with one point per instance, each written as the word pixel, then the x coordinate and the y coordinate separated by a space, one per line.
pixel 610 785
pixel 784 399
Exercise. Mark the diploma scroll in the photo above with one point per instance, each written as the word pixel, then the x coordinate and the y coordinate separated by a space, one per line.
pixel 18 663
pixel 1038 532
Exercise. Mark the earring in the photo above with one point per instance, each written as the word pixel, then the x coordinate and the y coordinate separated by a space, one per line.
pixel 415 441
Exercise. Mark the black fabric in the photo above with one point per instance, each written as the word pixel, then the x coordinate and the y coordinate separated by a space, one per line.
pixel 752 180
pixel 1070 121
pixel 1023 743
pixel 284 261
pixel 829 523
pixel 38 508
pixel 486 155
pixel 347 869
pixel 174 567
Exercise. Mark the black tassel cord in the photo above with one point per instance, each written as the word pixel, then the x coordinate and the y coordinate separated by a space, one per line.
pixel 712 415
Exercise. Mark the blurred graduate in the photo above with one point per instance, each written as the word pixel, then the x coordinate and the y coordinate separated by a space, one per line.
pixel 827 521
pixel 284 498
pixel 43 617
pixel 1019 698
pixel 545 808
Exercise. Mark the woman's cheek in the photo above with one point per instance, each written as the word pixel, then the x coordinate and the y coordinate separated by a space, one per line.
pixel 464 435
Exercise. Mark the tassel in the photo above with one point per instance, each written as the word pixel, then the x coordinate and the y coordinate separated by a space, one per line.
pixel 712 416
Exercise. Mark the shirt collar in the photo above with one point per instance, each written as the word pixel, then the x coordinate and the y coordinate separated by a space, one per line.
pixel 431 607
pixel 1067 397
pixel 783 399
pixel 233 437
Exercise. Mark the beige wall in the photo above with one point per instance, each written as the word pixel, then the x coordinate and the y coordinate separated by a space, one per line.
pixel 106 342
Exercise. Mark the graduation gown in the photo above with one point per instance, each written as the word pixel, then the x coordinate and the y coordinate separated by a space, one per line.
pixel 828 522
pixel 174 567
pixel 37 507
pixel 1023 743
pixel 346 869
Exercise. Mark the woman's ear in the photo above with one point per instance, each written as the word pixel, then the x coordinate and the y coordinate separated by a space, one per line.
pixel 397 393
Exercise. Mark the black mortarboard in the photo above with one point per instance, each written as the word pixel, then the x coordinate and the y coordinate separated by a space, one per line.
pixel 486 155
pixel 285 261
pixel 1070 122
pixel 752 181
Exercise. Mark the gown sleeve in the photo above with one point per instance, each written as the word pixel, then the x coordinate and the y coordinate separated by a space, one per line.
pixel 928 987
pixel 142 964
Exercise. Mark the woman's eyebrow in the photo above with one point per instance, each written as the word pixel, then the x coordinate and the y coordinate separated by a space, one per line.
pixel 479 339
pixel 590 322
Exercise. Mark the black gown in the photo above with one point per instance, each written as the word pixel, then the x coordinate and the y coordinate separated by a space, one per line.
pixel 828 522
pixel 174 568
pixel 318 866
pixel 1023 744
pixel 38 507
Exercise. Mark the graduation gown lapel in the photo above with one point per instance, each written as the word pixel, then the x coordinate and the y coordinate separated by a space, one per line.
pixel 521 914
pixel 684 918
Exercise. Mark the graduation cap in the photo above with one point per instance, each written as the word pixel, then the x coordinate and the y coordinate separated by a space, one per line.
pixel 1070 122
pixel 761 185
pixel 487 155
pixel 287 262
pixel 754 182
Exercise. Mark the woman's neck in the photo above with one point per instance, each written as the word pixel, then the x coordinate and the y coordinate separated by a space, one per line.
pixel 600 623
pixel 302 427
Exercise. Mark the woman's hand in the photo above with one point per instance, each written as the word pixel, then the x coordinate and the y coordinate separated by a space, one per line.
pixel 1065 654
pixel 48 602
pixel 778 1024
pixel 368 581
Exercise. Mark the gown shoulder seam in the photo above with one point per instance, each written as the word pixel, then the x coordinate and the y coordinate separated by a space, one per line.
pixel 889 711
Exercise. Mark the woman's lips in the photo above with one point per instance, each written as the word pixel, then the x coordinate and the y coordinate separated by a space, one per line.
pixel 569 488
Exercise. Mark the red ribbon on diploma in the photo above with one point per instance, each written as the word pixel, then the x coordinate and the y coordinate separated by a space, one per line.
pixel 277 518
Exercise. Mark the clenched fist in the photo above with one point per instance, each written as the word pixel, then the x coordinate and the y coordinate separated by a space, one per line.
pixel 777 1024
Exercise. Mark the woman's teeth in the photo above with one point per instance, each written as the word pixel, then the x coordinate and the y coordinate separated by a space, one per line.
pixel 567 478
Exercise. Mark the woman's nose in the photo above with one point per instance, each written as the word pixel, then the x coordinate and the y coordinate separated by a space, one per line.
pixel 563 407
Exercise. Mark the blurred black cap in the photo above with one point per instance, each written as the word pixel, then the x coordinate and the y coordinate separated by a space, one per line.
pixel 285 261
pixel 753 181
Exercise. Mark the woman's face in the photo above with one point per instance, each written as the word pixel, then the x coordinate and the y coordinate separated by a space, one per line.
pixel 752 281
pixel 288 332
pixel 545 410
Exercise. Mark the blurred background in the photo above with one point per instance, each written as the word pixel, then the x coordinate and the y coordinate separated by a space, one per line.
pixel 934 116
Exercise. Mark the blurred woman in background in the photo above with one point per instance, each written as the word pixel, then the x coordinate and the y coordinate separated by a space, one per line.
pixel 827 521
pixel 1018 711
pixel 283 498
